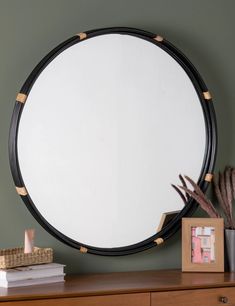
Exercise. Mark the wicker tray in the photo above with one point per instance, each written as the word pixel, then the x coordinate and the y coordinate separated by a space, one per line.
pixel 11 258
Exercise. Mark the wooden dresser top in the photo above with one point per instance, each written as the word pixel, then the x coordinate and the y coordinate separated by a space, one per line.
pixel 120 283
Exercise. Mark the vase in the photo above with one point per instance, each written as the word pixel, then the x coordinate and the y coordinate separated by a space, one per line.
pixel 230 248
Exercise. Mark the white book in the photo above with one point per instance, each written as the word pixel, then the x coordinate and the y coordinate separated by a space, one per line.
pixel 30 282
pixel 31 272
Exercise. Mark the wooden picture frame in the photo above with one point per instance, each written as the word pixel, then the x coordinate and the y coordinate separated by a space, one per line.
pixel 202 245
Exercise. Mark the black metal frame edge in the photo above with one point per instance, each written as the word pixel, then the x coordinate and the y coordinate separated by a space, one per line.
pixel 210 150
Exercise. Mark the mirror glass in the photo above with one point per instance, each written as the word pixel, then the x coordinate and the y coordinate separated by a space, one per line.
pixel 107 127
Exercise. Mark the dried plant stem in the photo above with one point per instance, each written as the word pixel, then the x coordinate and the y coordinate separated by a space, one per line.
pixel 224 189
pixel 185 185
pixel 225 206
pixel 206 205
pixel 233 182
pixel 180 193
pixel 228 221
pixel 196 188
pixel 228 186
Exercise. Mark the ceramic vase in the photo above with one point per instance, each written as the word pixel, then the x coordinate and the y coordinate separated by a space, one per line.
pixel 230 248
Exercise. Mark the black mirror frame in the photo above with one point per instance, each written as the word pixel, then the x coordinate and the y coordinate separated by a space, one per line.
pixel 210 150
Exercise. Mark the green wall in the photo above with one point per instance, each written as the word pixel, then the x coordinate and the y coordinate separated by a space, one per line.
pixel 203 30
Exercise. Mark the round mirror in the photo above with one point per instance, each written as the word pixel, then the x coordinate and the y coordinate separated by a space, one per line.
pixel 101 128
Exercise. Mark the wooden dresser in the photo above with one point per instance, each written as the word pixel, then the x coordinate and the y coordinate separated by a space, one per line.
pixel 155 288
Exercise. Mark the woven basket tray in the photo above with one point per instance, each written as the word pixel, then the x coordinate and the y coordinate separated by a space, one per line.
pixel 11 258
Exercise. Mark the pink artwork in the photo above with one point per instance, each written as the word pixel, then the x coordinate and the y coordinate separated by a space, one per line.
pixel 203 244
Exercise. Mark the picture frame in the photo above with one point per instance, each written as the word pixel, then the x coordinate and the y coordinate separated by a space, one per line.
pixel 202 244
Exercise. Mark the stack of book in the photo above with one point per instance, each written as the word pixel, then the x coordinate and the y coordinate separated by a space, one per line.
pixel 32 275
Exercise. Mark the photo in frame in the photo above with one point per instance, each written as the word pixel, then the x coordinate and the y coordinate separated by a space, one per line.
pixel 203 245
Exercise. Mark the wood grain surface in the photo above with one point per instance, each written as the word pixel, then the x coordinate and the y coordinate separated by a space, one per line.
pixel 120 283
pixel 136 299
pixel 198 297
